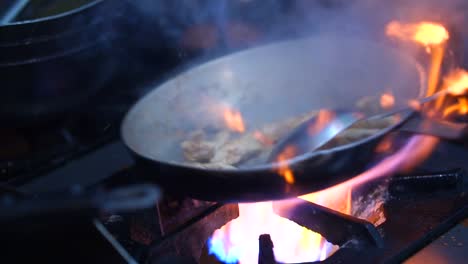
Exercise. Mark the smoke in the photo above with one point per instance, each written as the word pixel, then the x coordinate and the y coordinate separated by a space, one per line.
pixel 276 19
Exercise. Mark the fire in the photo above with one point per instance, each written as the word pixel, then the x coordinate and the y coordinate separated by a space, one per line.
pixel 387 100
pixel 456 83
pixel 339 199
pixel 385 145
pixel 425 33
pixel 237 241
pixel 233 120
pixel 284 170
pixel 461 107
pixel 432 36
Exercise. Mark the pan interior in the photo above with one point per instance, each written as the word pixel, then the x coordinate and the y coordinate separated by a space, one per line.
pixel 267 84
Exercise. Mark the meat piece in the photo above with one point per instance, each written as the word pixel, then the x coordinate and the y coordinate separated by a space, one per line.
pixel 198 151
pixel 355 134
pixel 380 123
pixel 238 150
pixel 348 136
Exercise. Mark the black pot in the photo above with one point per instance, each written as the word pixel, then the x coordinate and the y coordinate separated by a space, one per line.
pixel 52 65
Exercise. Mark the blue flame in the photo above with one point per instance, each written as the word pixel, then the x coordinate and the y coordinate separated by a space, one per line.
pixel 216 247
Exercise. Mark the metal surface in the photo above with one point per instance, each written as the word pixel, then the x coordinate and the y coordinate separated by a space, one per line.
pixel 84 171
pixel 85 204
pixel 266 84
pixel 342 120
pixel 305 142
pixel 339 229
pixel 432 212
pixel 13 11
pixel 449 248
pixel 413 213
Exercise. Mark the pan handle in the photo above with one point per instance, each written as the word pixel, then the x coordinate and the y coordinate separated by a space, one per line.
pixel 86 204
pixel 420 124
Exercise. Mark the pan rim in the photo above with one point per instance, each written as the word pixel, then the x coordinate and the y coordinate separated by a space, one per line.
pixel 54 17
pixel 270 166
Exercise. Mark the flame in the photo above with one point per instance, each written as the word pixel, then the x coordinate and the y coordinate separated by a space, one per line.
pixel 339 199
pixel 385 145
pixel 461 107
pixel 387 100
pixel 284 170
pixel 456 82
pixel 432 36
pixel 237 241
pixel 233 120
pixel 425 33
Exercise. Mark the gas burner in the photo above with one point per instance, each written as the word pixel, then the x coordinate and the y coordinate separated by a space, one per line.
pixel 433 211
pixel 154 237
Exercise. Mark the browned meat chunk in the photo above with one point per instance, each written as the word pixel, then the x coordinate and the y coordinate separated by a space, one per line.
pixel 238 150
pixel 199 151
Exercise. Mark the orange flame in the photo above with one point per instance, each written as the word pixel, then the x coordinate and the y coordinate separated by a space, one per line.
pixel 432 36
pixel 284 170
pixel 238 240
pixel 461 107
pixel 387 100
pixel 385 145
pixel 425 33
pixel 338 199
pixel 457 82
pixel 233 120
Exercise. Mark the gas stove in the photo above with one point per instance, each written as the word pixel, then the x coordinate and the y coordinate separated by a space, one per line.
pixel 423 217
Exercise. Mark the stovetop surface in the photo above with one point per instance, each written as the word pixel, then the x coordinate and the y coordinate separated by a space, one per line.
pixel 97 166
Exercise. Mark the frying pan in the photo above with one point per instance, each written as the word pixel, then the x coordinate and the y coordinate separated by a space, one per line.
pixel 267 84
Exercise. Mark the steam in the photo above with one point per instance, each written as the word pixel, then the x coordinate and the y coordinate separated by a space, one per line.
pixel 277 19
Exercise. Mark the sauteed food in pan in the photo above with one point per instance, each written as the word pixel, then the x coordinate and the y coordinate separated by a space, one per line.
pixel 179 137
pixel 225 149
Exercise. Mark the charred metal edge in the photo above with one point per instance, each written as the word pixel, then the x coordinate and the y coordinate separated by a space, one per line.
pixel 430 236
pixel 339 229
pixel 265 250
pixel 187 224
pixel 428 183
pixel 179 239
